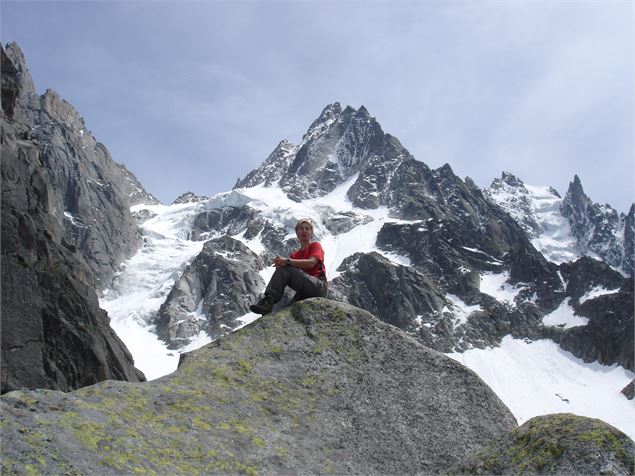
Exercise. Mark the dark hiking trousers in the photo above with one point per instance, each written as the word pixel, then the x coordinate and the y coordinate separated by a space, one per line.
pixel 304 285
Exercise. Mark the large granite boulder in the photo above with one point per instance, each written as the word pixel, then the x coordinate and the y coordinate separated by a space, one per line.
pixel 320 387
pixel 555 444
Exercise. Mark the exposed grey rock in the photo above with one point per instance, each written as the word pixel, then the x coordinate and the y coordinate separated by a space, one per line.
pixel 319 387
pixel 599 229
pixel 10 88
pixel 342 222
pixel 378 175
pixel 90 193
pixel 395 294
pixel 609 335
pixel 555 444
pixel 587 273
pixel 189 197
pixel 629 390
pixel 53 333
pixel 211 293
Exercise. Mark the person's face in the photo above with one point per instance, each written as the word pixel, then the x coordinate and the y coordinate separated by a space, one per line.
pixel 304 232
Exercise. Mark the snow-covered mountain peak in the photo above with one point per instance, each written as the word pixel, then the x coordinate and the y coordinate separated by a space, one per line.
pixel 328 116
pixel 564 229
pixel 537 210
pixel 338 145
pixel 189 197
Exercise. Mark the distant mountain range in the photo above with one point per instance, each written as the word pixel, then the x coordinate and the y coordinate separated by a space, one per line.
pixel 456 268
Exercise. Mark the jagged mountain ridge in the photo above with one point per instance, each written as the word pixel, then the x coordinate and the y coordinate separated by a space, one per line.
pixel 564 229
pixel 454 235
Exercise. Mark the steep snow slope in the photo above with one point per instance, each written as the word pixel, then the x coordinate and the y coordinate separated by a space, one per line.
pixel 537 210
pixel 538 378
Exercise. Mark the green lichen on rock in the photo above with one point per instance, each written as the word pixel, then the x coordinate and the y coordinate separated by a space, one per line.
pixel 555 444
pixel 320 387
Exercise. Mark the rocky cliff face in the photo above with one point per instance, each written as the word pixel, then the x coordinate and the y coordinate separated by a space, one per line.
pixel 91 195
pixel 55 244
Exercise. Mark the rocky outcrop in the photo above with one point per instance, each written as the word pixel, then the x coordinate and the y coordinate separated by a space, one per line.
pixel 90 194
pixel 54 335
pixel 608 337
pixel 189 197
pixel 320 387
pixel 396 294
pixel 555 444
pixel 211 293
pixel 599 229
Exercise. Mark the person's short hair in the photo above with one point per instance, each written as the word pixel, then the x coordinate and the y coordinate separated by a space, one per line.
pixel 301 221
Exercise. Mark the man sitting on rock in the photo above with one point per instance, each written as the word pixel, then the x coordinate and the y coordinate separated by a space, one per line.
pixel 303 271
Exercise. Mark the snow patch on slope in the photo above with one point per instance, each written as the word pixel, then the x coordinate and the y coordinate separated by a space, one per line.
pixel 539 378
pixel 564 316
pixel 496 285
pixel 597 292
pixel 144 282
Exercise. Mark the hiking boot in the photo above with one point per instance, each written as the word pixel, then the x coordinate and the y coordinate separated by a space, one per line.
pixel 263 306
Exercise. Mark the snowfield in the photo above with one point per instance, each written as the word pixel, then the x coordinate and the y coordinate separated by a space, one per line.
pixel 538 378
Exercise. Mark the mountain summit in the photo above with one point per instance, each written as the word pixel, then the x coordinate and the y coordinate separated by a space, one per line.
pixel 338 145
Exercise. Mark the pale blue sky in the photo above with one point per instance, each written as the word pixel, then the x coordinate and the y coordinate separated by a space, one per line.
pixel 191 95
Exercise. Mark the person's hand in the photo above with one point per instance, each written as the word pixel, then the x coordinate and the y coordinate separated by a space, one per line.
pixel 279 262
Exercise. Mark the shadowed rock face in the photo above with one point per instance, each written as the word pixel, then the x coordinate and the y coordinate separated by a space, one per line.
pixel 318 387
pixel 54 335
pixel 89 194
pixel 555 444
